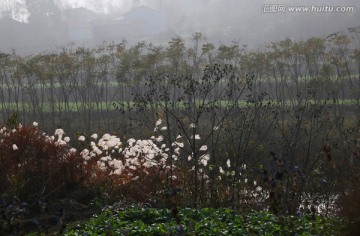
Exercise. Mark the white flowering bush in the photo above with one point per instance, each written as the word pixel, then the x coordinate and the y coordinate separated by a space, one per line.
pixel 120 165
pixel 138 169
pixel 32 160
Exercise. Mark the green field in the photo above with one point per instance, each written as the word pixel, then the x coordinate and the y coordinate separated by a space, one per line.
pixel 98 106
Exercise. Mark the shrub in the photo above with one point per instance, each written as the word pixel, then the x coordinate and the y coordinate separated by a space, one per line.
pixel 35 166
pixel 135 172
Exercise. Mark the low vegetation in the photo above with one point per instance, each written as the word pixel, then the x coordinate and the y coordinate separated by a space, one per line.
pixel 48 192
pixel 280 156
pixel 207 222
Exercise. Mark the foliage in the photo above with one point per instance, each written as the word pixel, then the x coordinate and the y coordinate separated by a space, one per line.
pixel 137 173
pixel 270 130
pixel 46 170
pixel 36 166
pixel 206 221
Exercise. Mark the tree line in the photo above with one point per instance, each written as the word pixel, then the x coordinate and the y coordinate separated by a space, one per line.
pixel 51 86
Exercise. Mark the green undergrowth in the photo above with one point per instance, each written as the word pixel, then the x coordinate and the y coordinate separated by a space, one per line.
pixel 207 221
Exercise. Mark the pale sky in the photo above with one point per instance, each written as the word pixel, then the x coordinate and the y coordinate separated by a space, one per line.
pixel 99 6
pixel 94 5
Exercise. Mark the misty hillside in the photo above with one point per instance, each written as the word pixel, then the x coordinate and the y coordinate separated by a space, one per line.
pixel 28 26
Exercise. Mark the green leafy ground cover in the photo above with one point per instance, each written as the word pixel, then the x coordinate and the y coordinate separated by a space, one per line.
pixel 207 221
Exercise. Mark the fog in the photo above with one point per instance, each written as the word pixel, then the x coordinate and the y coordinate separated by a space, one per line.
pixel 31 26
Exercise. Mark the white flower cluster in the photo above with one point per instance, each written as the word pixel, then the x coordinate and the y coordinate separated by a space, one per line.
pixel 230 172
pixel 143 152
pixel 105 145
pixel 58 137
pixel 204 159
pixel 109 142
pixel 177 145
pixel 4 132
pixel 15 147
pixel 137 154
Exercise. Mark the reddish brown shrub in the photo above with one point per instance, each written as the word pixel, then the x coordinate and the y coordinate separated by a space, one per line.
pixel 139 185
pixel 35 166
